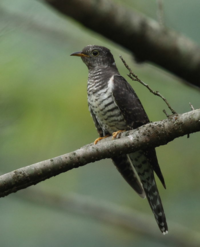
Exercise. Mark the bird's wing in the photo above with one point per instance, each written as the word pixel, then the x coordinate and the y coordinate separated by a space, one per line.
pixel 151 156
pixel 124 166
pixel 134 114
pixel 128 102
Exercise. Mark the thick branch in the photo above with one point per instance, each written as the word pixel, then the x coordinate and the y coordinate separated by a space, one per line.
pixel 150 135
pixel 143 36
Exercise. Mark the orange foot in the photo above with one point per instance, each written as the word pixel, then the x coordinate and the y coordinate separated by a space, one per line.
pixel 99 139
pixel 114 134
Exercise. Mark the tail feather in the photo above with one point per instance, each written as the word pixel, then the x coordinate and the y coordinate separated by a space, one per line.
pixel 156 204
pixel 145 172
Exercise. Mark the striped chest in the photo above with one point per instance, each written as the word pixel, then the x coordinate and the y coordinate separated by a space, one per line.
pixel 102 104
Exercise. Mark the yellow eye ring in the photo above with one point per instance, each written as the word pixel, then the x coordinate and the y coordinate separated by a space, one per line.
pixel 95 53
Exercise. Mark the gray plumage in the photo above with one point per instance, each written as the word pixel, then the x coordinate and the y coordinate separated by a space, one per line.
pixel 115 106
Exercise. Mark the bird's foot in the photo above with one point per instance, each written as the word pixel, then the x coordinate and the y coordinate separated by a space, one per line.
pixel 114 134
pixel 99 139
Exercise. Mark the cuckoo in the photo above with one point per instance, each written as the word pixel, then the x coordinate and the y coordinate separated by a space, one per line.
pixel 115 107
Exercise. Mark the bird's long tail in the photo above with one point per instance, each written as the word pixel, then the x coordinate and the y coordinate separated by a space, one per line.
pixel 145 172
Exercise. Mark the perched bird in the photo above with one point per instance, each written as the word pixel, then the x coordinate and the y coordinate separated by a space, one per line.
pixel 115 107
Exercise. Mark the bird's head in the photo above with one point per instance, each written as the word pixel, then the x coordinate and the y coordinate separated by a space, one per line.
pixel 96 56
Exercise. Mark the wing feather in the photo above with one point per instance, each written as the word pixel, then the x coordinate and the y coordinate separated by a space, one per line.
pixel 124 166
pixel 134 114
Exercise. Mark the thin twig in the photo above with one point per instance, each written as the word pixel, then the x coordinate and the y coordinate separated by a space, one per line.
pixel 160 12
pixel 135 78
pixel 192 107
pixel 167 115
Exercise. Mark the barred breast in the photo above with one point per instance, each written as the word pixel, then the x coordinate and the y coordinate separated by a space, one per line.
pixel 102 103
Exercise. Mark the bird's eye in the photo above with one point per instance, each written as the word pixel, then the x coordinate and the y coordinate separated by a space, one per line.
pixel 95 53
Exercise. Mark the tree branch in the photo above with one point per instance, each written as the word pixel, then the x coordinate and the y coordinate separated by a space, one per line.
pixel 143 36
pixel 109 213
pixel 149 135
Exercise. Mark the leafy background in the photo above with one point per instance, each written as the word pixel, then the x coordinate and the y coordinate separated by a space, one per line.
pixel 43 109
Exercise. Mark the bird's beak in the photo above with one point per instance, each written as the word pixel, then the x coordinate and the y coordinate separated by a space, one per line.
pixel 79 54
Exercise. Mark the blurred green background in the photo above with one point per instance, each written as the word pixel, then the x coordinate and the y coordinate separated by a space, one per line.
pixel 43 109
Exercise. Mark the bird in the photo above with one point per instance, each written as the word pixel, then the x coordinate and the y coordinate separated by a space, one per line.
pixel 115 107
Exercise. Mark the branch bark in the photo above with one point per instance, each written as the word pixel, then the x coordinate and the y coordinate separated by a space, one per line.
pixel 149 135
pixel 143 36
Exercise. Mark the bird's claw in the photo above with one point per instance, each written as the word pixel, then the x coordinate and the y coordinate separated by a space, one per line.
pixel 99 139
pixel 114 134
